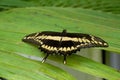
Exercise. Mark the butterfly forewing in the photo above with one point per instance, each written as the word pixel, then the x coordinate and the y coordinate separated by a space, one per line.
pixel 58 42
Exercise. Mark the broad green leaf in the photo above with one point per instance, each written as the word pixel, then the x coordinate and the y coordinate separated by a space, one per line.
pixel 16 23
pixel 16 67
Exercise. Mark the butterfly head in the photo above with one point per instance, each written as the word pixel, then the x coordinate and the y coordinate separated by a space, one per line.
pixel 64 31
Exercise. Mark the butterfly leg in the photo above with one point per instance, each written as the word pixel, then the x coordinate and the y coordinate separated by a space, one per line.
pixel 44 59
pixel 64 61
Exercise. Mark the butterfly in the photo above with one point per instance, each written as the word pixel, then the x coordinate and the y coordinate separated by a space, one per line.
pixel 63 43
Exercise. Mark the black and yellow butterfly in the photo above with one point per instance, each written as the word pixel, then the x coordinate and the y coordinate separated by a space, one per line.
pixel 63 43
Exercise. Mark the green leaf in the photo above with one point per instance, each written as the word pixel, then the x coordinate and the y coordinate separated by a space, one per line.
pixel 16 23
pixel 111 6
pixel 14 67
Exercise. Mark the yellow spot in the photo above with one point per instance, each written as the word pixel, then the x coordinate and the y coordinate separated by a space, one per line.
pixel 64 49
pixel 69 39
pixel 57 38
pixel 78 46
pixel 54 48
pixel 30 37
pixel 80 40
pixel 60 48
pixel 43 46
pixel 81 44
pixel 41 37
pixel 87 40
pixel 66 38
pixel 72 48
pixel 68 49
pixel 100 42
pixel 92 41
pixel 84 40
pixel 36 34
pixel 105 44
pixel 48 47
pixel 38 41
pixel 96 42
pixel 92 37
